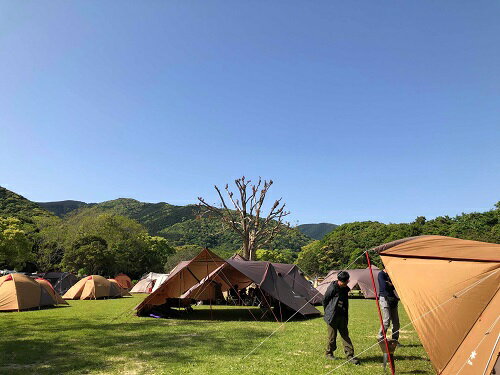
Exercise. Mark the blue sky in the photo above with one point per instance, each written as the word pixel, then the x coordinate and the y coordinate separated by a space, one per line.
pixel 358 110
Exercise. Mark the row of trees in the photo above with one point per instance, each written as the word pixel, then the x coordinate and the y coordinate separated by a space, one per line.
pixel 347 242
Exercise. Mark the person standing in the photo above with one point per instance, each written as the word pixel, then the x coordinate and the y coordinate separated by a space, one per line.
pixel 336 304
pixel 389 305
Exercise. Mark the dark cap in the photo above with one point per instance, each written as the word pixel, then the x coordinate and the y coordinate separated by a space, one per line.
pixel 343 276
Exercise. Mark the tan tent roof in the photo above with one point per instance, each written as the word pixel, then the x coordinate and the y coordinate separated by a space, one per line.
pixel 19 292
pixel 93 287
pixel 183 276
pixel 449 288
pixel 358 277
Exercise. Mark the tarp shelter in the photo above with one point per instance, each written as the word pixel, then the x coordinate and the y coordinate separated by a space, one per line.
pixel 147 282
pixel 124 281
pixel 244 273
pixel 294 277
pixel 61 281
pixel 449 288
pixel 93 287
pixel 183 276
pixel 20 292
pixel 359 278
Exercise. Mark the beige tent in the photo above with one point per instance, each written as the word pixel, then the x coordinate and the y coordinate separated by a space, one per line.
pixel 20 292
pixel 359 278
pixel 51 291
pixel 148 282
pixel 124 281
pixel 93 287
pixel 449 288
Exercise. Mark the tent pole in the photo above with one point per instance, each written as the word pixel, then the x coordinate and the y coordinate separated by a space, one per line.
pixel 389 355
pixel 211 316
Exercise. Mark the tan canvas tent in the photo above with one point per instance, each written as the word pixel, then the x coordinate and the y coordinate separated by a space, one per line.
pixel 93 287
pixel 20 292
pixel 449 288
pixel 182 278
pixel 359 278
pixel 51 291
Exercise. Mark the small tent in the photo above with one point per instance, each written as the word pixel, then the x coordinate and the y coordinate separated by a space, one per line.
pixel 51 291
pixel 124 281
pixel 359 278
pixel 450 290
pixel 93 287
pixel 61 281
pixel 20 292
pixel 147 282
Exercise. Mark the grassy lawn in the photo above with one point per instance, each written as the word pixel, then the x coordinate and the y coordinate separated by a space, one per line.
pixel 104 337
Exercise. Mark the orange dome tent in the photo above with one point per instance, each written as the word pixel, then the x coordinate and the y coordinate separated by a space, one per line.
pixel 124 281
pixel 20 292
pixel 93 287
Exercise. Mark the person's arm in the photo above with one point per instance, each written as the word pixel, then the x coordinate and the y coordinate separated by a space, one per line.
pixel 329 294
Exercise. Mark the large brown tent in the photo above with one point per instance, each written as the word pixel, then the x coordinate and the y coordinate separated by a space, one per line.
pixel 244 273
pixel 294 277
pixel 449 288
pixel 20 292
pixel 359 278
pixel 182 278
pixel 192 276
pixel 93 287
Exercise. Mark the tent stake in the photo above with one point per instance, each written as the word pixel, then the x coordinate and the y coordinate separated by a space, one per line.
pixel 389 355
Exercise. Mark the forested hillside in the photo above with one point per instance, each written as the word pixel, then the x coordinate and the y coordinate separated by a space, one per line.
pixel 347 242
pixel 120 235
pixel 316 231
pixel 62 208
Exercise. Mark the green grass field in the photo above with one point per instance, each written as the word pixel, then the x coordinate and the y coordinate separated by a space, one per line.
pixel 104 337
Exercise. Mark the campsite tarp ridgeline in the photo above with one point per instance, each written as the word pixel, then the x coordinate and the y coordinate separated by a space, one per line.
pixel 191 279
pixel 20 292
pixel 295 279
pixel 449 288
pixel 61 281
pixel 95 286
pixel 358 278
pixel 147 282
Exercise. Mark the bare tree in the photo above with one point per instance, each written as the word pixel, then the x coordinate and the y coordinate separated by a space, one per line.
pixel 245 217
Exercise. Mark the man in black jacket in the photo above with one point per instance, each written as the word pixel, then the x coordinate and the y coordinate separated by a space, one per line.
pixel 336 304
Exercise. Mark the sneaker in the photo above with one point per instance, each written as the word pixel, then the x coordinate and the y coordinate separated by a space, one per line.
pixel 354 361
pixel 329 356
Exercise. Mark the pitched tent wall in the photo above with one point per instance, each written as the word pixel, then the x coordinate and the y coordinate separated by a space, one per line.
pixel 299 284
pixel 182 278
pixel 358 277
pixel 20 292
pixel 51 291
pixel 449 288
pixel 124 281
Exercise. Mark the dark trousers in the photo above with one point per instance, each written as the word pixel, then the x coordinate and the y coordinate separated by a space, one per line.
pixel 339 324
pixel 389 314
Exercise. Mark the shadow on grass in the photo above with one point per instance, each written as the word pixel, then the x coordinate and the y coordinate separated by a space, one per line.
pixel 82 346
